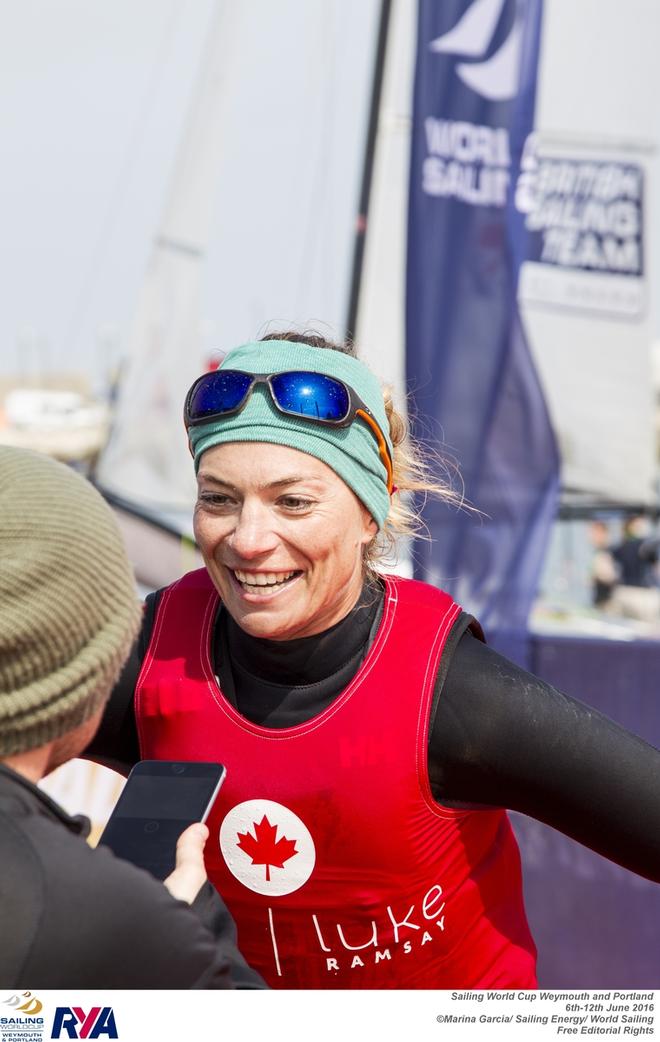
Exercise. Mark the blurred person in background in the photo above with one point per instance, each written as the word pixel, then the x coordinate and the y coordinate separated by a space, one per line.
pixel 604 573
pixel 372 739
pixel 72 916
pixel 636 594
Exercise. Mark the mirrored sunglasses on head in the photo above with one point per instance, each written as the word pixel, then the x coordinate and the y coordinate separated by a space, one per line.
pixel 306 395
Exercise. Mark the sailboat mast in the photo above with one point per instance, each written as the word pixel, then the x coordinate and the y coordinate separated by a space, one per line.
pixel 368 165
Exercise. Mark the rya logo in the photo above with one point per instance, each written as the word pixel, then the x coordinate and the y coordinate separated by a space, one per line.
pixel 497 77
pixel 73 1022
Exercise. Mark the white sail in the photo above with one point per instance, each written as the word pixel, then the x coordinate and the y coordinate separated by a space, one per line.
pixel 146 458
pixel 262 202
pixel 381 315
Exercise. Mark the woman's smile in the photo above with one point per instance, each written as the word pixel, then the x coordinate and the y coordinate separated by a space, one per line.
pixel 263 584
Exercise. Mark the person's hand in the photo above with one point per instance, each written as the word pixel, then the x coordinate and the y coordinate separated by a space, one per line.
pixel 189 876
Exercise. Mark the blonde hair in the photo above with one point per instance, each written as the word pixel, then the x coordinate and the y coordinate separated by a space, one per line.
pixel 414 468
pixel 414 474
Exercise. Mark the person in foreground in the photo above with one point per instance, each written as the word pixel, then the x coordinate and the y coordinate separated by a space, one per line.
pixel 371 738
pixel 72 916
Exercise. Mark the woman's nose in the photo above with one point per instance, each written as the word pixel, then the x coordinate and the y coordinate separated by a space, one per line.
pixel 254 534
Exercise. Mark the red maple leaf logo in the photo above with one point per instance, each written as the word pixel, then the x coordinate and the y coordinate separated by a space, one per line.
pixel 262 847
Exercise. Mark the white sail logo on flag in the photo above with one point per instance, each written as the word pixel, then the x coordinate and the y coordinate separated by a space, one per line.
pixel 497 78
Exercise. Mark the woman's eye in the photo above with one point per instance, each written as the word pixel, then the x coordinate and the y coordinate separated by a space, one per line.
pixel 295 503
pixel 215 499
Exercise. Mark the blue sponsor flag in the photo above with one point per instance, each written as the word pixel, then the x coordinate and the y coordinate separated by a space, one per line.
pixel 468 364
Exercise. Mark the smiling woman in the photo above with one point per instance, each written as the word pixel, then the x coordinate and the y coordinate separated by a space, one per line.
pixel 282 537
pixel 371 739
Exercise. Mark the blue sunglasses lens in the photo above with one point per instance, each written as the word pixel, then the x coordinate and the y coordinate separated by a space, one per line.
pixel 219 392
pixel 311 394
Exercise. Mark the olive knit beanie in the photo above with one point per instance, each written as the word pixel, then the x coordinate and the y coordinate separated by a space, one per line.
pixel 68 606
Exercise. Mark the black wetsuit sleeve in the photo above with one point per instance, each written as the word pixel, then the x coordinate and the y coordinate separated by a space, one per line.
pixel 502 737
pixel 115 744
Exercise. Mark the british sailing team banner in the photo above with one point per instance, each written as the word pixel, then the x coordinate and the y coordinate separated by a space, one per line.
pixel 468 365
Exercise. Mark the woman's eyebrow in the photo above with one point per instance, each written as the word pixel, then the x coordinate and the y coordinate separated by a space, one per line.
pixel 287 481
pixel 278 483
pixel 211 480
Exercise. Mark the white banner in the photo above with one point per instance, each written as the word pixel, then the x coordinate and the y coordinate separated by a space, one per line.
pixel 294 1016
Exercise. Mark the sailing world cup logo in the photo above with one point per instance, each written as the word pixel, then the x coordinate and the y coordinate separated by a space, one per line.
pixel 21 1019
pixel 26 1003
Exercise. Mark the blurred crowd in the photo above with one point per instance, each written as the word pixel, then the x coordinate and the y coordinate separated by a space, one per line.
pixel 625 579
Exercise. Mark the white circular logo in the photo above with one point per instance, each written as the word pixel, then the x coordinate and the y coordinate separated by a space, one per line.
pixel 267 847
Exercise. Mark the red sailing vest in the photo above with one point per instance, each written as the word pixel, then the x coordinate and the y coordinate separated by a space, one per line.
pixel 340 869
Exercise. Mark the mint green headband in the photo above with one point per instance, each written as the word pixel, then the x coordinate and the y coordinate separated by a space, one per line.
pixel 352 452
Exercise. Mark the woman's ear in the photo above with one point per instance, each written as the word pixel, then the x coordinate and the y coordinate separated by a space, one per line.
pixel 370 529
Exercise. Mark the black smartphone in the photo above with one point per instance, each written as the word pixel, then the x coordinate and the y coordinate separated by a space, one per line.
pixel 161 798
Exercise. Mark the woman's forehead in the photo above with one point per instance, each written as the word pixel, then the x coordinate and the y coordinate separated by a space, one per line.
pixel 247 462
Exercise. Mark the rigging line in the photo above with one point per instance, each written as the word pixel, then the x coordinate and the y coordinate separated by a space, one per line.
pixel 178 246
pixel 92 273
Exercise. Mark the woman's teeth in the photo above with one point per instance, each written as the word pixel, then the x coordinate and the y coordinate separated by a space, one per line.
pixel 262 581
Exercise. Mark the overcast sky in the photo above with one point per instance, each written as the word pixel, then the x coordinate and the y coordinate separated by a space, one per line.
pixel 93 102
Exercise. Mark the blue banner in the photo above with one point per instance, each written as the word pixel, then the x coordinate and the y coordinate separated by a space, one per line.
pixel 469 367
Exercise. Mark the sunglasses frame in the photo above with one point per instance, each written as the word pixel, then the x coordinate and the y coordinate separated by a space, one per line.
pixel 356 408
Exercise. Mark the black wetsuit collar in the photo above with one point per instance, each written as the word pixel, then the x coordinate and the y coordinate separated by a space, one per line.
pixel 306 660
pixel 283 683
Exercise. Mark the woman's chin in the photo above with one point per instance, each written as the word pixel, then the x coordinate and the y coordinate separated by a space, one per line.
pixel 268 625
